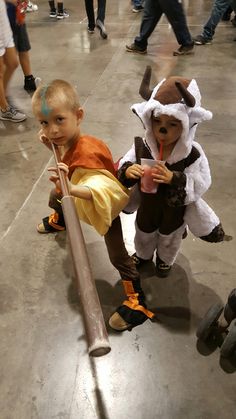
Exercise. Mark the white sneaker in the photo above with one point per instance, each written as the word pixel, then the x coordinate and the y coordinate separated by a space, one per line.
pixel 102 29
pixel 63 15
pixel 31 7
pixel 12 114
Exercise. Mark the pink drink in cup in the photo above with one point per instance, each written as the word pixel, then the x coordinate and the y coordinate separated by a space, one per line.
pixel 147 183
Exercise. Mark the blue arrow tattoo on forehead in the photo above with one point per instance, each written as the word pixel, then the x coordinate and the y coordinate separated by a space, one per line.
pixel 44 106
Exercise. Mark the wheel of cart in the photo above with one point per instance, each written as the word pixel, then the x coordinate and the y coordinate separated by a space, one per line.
pixel 209 323
pixel 229 345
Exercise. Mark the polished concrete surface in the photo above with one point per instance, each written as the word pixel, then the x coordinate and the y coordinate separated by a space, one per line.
pixel 158 370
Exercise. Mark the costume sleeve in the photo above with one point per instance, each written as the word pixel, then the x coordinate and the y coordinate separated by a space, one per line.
pixel 128 183
pixel 109 197
pixel 188 186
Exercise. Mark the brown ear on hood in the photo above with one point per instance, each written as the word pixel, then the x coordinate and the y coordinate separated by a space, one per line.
pixel 144 90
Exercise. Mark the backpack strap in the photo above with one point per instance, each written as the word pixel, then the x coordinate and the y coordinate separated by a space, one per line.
pixel 141 150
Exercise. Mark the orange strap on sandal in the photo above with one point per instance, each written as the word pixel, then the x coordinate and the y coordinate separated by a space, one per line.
pixel 53 220
pixel 133 301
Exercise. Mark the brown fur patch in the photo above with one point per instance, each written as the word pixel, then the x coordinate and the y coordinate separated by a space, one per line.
pixel 168 92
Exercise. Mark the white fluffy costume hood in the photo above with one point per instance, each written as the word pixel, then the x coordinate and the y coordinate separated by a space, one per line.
pixel 176 96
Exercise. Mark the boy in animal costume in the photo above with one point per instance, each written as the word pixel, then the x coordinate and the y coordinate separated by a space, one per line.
pixel 170 116
pixel 99 196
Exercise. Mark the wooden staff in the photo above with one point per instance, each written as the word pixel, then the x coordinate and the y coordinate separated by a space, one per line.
pixel 98 343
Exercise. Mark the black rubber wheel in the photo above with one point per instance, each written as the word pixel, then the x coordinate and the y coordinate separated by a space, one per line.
pixel 209 322
pixel 229 345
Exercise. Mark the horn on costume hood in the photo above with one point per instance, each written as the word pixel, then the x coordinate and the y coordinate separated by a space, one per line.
pixel 145 91
pixel 176 96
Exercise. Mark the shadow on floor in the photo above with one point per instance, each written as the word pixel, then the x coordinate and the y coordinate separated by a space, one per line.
pixel 168 297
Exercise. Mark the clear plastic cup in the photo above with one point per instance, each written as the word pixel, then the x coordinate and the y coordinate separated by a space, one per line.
pixel 147 183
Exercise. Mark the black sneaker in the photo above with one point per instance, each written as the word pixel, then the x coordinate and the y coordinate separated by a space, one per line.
pixel 201 40
pixel 101 28
pixel 184 50
pixel 135 48
pixel 137 9
pixel 139 261
pixel 62 15
pixel 53 13
pixel 91 29
pixel 162 268
pixel 30 85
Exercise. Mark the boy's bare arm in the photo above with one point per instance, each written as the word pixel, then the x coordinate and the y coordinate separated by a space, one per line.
pixel 77 191
pixel 82 192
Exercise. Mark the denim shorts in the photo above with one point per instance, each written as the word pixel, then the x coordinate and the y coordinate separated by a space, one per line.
pixel 6 40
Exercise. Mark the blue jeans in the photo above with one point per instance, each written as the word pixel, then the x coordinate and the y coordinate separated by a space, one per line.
pixel 153 10
pixel 219 7
pixel 137 3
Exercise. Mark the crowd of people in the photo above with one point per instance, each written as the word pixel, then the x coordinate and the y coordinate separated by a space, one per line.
pixel 15 44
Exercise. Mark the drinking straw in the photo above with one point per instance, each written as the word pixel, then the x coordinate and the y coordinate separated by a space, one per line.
pixel 161 151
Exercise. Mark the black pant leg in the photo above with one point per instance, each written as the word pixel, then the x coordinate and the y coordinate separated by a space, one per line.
pixel 175 14
pixel 90 13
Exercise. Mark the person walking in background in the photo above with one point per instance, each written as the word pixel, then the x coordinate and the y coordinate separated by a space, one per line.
pixel 8 64
pixel 217 12
pixel 101 10
pixel 59 12
pixel 22 44
pixel 153 10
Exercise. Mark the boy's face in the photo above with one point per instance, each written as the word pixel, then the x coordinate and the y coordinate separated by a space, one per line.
pixel 166 129
pixel 60 125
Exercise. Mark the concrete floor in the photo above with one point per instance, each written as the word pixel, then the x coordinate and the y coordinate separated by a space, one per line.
pixel 158 370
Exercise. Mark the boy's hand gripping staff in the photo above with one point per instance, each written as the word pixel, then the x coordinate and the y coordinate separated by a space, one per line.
pixel 98 343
